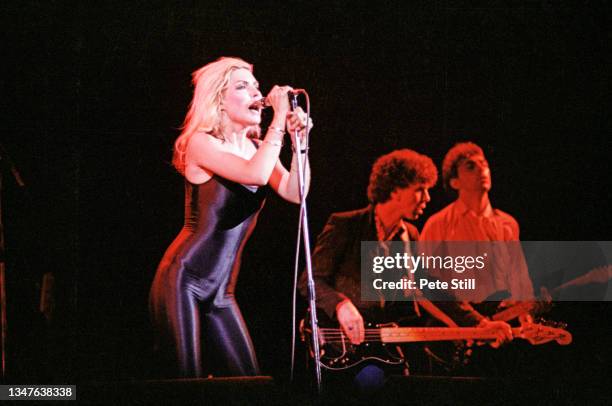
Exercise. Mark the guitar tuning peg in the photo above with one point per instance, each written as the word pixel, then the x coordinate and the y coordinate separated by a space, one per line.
pixel 561 324
pixel 544 321
pixel 552 323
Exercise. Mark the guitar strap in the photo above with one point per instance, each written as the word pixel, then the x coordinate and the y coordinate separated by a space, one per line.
pixel 433 310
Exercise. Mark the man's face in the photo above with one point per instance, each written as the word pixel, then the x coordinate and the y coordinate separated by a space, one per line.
pixel 412 200
pixel 473 175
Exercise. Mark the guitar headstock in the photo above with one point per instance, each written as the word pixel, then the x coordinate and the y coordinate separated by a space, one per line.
pixel 538 334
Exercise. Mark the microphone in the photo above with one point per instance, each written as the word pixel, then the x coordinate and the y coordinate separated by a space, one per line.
pixel 263 103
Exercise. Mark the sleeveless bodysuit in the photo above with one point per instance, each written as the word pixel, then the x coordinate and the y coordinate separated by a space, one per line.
pixel 192 297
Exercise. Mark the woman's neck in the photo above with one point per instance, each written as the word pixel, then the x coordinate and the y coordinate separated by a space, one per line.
pixel 236 135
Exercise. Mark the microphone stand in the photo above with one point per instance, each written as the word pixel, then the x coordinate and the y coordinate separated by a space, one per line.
pixel 3 324
pixel 306 236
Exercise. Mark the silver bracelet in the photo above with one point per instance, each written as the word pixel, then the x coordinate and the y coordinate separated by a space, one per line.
pixel 276 129
pixel 278 143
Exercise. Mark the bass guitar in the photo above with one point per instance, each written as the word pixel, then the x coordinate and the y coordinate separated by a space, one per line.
pixel 381 341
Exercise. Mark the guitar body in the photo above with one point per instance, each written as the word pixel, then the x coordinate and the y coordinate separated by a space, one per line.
pixel 337 352
pixel 454 357
pixel 446 357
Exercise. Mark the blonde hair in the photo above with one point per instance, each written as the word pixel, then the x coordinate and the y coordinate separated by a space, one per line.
pixel 204 112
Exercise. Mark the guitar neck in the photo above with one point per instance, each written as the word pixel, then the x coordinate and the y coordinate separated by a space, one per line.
pixel 513 312
pixel 419 334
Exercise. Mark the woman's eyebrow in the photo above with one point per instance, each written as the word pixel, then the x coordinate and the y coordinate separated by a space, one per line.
pixel 255 83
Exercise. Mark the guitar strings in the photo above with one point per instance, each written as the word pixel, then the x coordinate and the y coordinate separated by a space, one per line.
pixel 545 334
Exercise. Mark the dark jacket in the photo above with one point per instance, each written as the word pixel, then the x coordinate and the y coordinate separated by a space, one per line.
pixel 337 268
pixel 336 259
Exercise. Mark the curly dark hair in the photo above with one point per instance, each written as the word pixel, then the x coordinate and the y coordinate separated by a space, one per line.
pixel 397 170
pixel 461 151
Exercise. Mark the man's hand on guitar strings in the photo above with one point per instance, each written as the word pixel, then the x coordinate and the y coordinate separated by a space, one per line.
pixel 351 321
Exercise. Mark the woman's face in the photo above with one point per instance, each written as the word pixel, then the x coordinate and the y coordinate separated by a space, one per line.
pixel 238 97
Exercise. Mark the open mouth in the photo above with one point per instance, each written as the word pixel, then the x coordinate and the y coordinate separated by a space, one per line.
pixel 257 105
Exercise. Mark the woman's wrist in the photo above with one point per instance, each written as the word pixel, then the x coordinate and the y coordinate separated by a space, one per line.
pixel 274 136
pixel 279 121
pixel 275 143
pixel 280 131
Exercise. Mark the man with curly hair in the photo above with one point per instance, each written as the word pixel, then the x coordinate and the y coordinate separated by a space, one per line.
pixel 398 191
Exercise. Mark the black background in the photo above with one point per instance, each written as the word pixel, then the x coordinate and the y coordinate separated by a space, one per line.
pixel 93 95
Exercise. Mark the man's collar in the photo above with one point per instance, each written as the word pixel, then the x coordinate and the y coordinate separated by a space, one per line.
pixel 380 230
pixel 463 209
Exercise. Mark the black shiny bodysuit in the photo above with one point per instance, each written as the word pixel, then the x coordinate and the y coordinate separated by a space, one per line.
pixel 192 297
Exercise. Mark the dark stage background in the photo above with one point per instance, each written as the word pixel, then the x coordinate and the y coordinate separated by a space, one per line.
pixel 93 95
